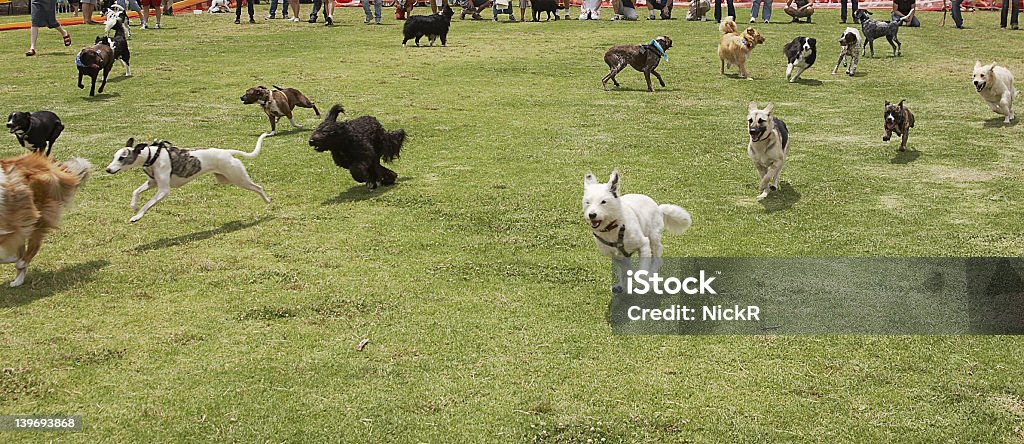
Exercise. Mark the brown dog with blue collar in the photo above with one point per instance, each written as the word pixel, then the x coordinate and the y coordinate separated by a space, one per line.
pixel 278 103
pixel 735 48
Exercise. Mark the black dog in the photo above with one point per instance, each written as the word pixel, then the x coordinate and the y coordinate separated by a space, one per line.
pixel 35 131
pixel 801 53
pixel 899 120
pixel 548 6
pixel 873 29
pixel 358 145
pixel 432 26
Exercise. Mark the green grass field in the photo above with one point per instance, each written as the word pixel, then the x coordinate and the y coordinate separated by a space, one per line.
pixel 218 318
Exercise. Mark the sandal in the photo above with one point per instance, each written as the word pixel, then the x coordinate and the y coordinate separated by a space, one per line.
pixel 30 53
pixel 67 39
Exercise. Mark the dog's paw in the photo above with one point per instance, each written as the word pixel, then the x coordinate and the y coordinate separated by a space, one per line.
pixel 763 195
pixel 750 78
pixel 617 289
pixel 135 218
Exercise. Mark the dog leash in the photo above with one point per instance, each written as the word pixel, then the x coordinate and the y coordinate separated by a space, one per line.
pixel 619 245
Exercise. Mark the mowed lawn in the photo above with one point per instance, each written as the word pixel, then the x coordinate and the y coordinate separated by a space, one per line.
pixel 220 318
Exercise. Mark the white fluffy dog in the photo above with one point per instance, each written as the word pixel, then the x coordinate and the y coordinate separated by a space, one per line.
pixel 630 224
pixel 995 84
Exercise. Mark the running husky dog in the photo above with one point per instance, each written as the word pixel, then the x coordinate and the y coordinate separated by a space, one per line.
pixel 625 225
pixel 769 146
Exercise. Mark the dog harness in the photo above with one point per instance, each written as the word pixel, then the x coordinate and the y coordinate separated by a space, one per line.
pixel 657 46
pixel 618 244
pixel 152 157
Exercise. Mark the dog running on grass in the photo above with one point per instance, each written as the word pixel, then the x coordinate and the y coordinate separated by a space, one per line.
pixel 34 192
pixel 358 145
pixel 36 131
pixel 899 120
pixel 995 85
pixel 851 43
pixel 644 58
pixel 278 103
pixel 431 26
pixel 734 49
pixel 801 53
pixel 624 225
pixel 874 29
pixel 768 147
pixel 171 167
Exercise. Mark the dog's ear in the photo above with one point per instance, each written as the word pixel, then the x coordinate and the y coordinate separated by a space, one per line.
pixel 887 103
pixel 769 108
pixel 752 107
pixel 613 183
pixel 901 104
pixel 977 64
pixel 130 143
pixel 750 31
pixel 992 66
pixel 589 179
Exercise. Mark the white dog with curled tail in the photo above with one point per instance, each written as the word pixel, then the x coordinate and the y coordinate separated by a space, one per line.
pixel 631 224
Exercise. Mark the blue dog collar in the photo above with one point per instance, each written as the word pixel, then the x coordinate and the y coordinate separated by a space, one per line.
pixel 658 47
pixel 78 60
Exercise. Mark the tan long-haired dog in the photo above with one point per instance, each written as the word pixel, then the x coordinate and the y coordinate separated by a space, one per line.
pixel 34 191
pixel 735 48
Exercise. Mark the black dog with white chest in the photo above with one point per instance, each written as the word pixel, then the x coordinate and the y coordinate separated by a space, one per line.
pixel 431 26
pixel 358 145
pixel 36 131
pixel 801 53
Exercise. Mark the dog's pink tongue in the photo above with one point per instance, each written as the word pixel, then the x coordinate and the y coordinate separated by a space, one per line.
pixel 595 223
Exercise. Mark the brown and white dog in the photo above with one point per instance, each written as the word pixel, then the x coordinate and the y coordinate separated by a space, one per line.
pixel 644 58
pixel 735 48
pixel 34 192
pixel 899 120
pixel 278 103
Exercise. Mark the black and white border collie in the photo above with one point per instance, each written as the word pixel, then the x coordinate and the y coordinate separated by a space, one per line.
pixel 800 53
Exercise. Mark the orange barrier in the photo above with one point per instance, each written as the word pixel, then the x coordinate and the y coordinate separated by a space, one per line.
pixel 179 6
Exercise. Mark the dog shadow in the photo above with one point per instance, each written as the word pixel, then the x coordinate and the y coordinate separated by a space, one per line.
pixel 229 227
pixel 781 199
pixel 46 283
pixel 117 79
pixel 100 97
pixel 808 82
pixel 641 89
pixel 359 192
pixel 998 123
pixel 288 132
pixel 905 157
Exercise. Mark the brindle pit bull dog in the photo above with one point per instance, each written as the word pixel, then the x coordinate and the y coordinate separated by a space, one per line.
pixel 278 103
pixel 899 120
pixel 643 58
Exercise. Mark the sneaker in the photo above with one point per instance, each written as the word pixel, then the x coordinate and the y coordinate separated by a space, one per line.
pixel 252 20
pixel 510 18
pixel 237 22
pixel 144 25
pixel 269 17
pixel 753 19
pixel 616 17
pixel 766 22
pixel 286 17
pixel 312 20
pixel 650 16
pixel 157 26
pixel 328 21
pixel 295 19
pixel 366 21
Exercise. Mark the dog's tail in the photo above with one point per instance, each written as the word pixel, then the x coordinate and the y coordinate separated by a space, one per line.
pixel 332 115
pixel 728 25
pixel 392 148
pixel 255 152
pixel 79 167
pixel 278 87
pixel 677 220
pixel 78 170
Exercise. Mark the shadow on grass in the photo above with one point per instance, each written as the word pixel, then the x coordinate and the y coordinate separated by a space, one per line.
pixel 808 82
pixel 905 157
pixel 998 123
pixel 287 132
pixel 100 97
pixel 46 283
pixel 360 192
pixel 229 227
pixel 781 199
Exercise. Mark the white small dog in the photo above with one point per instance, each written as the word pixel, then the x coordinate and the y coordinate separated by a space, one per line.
pixel 768 147
pixel 630 224
pixel 219 6
pixel 115 14
pixel 995 84
pixel 170 167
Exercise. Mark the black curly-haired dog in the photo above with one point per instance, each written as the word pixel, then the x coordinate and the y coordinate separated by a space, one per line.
pixel 358 145
pixel 873 29
pixel 431 26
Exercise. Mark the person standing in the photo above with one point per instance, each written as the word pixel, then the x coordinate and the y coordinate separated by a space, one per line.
pixel 238 11
pixel 853 10
pixel 88 6
pixel 1013 18
pixel 366 10
pixel 295 10
pixel 766 14
pixel 44 14
pixel 146 4
pixel 718 10
pixel 954 11
pixel 273 9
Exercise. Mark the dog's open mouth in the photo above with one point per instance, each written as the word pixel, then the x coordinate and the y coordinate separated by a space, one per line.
pixel 594 223
pixel 757 135
pixel 979 86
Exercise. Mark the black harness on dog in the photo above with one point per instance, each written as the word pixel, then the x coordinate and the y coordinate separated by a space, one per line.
pixel 619 245
pixel 152 157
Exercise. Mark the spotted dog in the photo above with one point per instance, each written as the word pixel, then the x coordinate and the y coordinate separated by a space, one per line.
pixel 170 167
pixel 874 29
pixel 851 43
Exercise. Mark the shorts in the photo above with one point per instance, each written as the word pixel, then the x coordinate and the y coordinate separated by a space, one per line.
pixel 44 14
pixel 150 3
pixel 90 2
